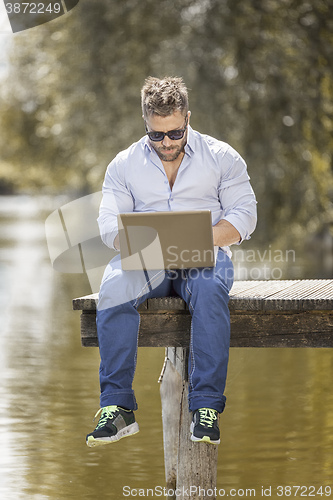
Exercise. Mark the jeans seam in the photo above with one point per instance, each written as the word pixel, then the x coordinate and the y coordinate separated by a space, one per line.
pixel 148 283
pixel 188 291
pixel 136 350
pixel 118 392
pixel 207 394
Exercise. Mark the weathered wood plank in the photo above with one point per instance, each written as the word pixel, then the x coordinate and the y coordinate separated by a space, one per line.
pixel 258 329
pixel 284 295
pixel 166 304
pixel 290 313
pixel 156 330
pixel 301 329
pixel 292 295
pixel 259 289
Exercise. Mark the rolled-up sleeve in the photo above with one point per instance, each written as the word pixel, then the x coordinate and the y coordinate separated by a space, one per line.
pixel 116 199
pixel 236 195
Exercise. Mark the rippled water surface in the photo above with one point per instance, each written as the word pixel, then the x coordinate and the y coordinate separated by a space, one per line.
pixel 277 429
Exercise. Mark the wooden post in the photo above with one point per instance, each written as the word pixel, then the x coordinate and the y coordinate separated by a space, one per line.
pixel 190 468
pixel 171 390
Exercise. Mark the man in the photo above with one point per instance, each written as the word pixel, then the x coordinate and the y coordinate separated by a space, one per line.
pixel 172 168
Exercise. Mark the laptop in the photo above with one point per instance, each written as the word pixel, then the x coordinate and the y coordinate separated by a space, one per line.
pixel 166 240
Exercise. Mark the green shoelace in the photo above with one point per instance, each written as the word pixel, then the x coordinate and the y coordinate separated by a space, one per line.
pixel 207 416
pixel 106 413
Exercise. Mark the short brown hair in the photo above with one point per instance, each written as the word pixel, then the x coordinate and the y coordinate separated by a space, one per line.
pixel 164 96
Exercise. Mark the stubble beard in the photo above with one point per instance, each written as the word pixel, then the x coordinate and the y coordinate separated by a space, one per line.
pixel 160 150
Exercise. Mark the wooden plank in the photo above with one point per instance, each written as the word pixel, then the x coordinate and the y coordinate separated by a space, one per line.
pixel 297 295
pixel 252 299
pixel 302 329
pixel 300 292
pixel 260 288
pixel 166 304
pixel 86 303
pixel 283 295
pixel 156 330
pixel 165 330
pixel 303 289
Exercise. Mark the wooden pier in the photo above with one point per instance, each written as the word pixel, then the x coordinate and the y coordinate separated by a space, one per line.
pixel 276 313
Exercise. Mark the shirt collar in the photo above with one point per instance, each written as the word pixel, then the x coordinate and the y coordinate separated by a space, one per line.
pixel 189 146
pixel 146 143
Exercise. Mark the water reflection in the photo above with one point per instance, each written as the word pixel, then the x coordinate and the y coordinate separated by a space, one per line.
pixel 277 430
pixel 280 418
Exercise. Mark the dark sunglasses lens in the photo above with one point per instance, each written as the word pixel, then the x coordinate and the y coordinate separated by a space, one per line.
pixel 156 136
pixel 175 135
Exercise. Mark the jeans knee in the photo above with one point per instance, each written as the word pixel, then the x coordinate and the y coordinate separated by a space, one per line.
pixel 114 292
pixel 209 291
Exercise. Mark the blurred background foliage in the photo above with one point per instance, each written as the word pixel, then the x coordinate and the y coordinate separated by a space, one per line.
pixel 259 75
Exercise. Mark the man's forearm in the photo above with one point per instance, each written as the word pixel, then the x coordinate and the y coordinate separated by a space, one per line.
pixel 225 234
pixel 116 243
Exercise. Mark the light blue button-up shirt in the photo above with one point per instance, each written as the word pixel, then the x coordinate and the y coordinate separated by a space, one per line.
pixel 212 176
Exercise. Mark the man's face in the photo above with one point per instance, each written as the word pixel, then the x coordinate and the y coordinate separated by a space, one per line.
pixel 167 149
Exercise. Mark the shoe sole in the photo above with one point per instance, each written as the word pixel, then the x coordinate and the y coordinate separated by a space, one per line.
pixel 203 439
pixel 129 430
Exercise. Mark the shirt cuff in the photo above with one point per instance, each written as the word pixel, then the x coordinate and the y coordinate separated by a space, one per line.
pixel 244 229
pixel 108 234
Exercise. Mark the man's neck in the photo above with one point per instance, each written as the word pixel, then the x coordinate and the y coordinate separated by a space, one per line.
pixel 171 168
pixel 173 165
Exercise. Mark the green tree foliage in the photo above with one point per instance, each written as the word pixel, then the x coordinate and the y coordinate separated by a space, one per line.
pixel 259 74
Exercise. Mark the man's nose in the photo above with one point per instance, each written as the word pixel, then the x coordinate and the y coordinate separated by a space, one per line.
pixel 167 142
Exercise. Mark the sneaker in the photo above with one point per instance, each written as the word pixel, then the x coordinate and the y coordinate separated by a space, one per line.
pixel 205 426
pixel 114 424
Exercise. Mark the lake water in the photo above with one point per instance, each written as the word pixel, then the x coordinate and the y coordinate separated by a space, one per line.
pixel 277 430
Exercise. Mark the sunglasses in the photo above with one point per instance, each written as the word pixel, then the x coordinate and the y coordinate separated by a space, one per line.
pixel 174 135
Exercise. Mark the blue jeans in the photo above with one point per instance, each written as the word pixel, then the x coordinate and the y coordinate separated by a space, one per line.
pixel 206 292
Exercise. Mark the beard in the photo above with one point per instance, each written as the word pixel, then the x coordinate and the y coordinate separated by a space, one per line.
pixel 175 151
